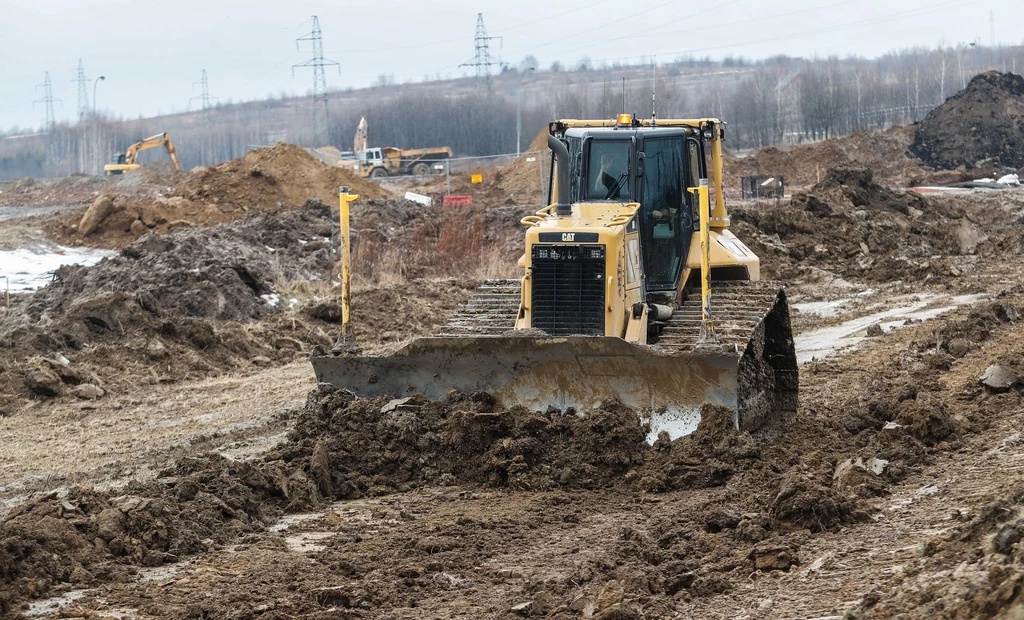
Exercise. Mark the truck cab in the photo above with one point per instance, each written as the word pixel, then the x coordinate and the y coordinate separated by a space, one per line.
pixel 372 163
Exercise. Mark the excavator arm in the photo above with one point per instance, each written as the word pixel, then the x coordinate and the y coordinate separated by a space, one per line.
pixel 160 139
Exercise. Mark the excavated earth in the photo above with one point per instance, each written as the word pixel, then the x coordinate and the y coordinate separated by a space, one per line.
pixel 979 127
pixel 894 492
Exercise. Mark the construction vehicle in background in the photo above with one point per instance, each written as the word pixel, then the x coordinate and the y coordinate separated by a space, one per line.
pixel 360 143
pixel 390 161
pixel 633 289
pixel 123 162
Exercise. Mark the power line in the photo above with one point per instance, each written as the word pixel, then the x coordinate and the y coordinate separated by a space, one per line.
pixel 83 93
pixel 47 100
pixel 204 97
pixel 482 61
pixel 321 129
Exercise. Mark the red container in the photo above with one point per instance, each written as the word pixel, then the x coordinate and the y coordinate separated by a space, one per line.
pixel 457 201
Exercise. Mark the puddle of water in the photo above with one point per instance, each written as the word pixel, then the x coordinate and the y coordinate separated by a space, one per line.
pixel 825 342
pixel 287 521
pixel 53 604
pixel 160 573
pixel 31 267
pixel 307 541
pixel 824 309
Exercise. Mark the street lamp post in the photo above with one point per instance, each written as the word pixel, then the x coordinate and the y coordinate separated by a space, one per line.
pixel 95 123
pixel 519 106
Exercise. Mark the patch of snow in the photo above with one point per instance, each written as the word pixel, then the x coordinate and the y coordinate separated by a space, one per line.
pixel 31 267
pixel 272 299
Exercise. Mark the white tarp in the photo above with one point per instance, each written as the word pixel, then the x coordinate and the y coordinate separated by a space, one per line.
pixel 420 198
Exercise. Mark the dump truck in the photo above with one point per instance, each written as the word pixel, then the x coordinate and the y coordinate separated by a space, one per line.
pixel 123 162
pixel 633 290
pixel 389 161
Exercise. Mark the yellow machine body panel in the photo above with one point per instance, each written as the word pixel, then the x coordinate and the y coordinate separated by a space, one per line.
pixel 605 228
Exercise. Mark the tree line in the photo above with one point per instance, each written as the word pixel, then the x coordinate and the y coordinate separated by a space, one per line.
pixel 772 101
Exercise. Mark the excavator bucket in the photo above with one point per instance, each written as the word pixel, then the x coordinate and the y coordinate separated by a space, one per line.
pixel 667 384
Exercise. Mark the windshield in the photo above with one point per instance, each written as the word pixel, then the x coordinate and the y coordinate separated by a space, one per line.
pixel 608 170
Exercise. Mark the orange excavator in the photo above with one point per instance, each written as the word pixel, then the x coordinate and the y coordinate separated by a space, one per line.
pixel 123 162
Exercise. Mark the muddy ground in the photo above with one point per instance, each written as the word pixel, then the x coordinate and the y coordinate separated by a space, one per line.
pixel 212 478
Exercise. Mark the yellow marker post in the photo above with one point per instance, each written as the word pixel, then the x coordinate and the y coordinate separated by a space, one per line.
pixel 707 331
pixel 346 259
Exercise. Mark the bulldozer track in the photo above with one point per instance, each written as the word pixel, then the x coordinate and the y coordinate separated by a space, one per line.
pixel 737 308
pixel 491 311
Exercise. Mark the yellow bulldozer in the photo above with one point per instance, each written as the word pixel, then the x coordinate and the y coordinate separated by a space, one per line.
pixel 123 162
pixel 633 289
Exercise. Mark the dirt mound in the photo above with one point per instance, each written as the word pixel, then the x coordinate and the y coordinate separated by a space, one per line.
pixel 171 305
pixel 266 180
pixel 201 301
pixel 380 445
pixel 81 537
pixel 272 179
pixel 854 227
pixel 884 152
pixel 522 179
pixel 980 125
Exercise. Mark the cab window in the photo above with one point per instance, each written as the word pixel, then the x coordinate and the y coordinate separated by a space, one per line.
pixel 608 170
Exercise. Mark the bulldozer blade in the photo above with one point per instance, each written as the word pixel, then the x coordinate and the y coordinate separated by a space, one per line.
pixel 578 372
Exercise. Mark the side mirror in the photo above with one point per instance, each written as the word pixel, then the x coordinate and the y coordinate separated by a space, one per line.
pixel 641 163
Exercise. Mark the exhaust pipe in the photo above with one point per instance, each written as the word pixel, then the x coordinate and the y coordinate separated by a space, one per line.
pixel 563 206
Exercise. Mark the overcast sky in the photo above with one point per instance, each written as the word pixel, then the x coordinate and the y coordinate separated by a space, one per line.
pixel 151 51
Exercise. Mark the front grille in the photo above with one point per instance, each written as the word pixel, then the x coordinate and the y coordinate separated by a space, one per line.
pixel 568 289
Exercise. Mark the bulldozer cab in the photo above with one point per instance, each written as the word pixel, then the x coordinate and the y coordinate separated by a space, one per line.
pixel 651 166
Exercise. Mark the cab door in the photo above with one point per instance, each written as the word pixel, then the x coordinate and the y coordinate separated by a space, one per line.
pixel 664 226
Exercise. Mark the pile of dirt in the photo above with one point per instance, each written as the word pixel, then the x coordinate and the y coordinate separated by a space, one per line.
pixel 523 180
pixel 85 538
pixel 979 126
pixel 271 180
pixel 169 306
pixel 884 152
pixel 854 227
pixel 201 301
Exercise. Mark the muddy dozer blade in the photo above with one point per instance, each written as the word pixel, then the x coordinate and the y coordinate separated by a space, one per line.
pixel 577 371
pixel 537 373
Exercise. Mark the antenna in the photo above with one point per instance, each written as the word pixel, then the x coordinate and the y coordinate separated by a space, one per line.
pixel 991 28
pixel 321 131
pixel 623 110
pixel 482 59
pixel 654 93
